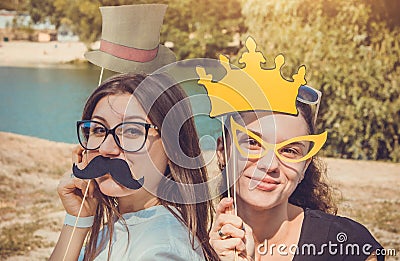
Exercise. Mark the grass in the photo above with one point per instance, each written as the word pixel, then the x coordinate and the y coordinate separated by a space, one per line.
pixel 381 217
pixel 25 202
pixel 18 239
pixel 28 195
pixel 386 219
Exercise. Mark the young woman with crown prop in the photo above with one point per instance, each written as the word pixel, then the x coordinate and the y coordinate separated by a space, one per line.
pixel 282 207
pixel 141 203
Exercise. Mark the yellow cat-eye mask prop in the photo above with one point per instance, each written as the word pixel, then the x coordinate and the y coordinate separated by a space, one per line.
pixel 292 150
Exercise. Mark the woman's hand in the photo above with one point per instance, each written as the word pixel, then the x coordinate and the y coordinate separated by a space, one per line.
pixel 229 234
pixel 71 189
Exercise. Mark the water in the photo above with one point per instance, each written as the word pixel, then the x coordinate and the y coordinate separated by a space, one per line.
pixel 47 102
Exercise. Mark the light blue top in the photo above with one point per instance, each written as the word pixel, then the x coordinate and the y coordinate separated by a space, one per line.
pixel 154 234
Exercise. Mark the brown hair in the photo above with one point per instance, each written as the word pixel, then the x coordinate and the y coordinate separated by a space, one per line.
pixel 313 191
pixel 159 100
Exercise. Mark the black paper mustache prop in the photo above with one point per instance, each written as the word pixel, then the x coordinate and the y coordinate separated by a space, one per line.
pixel 117 168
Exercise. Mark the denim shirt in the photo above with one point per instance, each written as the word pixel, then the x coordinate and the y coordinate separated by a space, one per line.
pixel 154 234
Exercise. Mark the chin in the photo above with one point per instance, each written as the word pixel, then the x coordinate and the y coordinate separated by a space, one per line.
pixel 259 199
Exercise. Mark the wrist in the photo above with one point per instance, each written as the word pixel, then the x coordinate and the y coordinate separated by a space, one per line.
pixel 80 222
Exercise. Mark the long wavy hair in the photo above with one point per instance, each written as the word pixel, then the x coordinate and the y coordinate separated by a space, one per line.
pixel 197 217
pixel 313 192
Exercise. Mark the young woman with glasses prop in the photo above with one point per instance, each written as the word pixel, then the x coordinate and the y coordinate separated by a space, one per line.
pixel 282 208
pixel 129 197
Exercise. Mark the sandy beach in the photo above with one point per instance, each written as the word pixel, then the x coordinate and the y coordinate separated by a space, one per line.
pixel 34 54
pixel 31 213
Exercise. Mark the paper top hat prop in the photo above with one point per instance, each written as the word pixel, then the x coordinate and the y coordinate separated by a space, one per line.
pixel 130 39
pixel 252 88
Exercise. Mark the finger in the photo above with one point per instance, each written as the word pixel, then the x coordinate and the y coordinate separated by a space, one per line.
pixel 223 219
pixel 232 224
pixel 81 184
pixel 77 153
pixel 91 190
pixel 70 182
pixel 249 240
pixel 84 161
pixel 91 204
pixel 228 231
pixel 224 205
pixel 227 247
pixel 232 231
pixel 240 247
pixel 91 201
pixel 62 184
pixel 66 184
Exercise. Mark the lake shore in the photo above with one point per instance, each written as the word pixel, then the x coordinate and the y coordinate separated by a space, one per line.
pixel 31 213
pixel 35 54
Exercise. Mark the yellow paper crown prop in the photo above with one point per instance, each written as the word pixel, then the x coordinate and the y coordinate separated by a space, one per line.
pixel 252 88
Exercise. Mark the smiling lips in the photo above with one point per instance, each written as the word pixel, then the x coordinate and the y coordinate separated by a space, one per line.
pixel 265 184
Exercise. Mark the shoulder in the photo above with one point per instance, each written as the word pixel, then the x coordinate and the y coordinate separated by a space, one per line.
pixel 337 224
pixel 166 226
pixel 336 235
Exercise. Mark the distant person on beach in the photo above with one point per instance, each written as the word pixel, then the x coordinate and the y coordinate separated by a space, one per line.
pixel 285 209
pixel 145 206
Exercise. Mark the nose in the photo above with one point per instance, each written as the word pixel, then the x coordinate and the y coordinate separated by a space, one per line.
pixel 109 147
pixel 269 162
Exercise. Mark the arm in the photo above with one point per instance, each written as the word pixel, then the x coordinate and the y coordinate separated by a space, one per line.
pixel 75 246
pixel 71 191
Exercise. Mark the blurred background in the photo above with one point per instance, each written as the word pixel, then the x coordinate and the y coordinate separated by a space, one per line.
pixel 351 49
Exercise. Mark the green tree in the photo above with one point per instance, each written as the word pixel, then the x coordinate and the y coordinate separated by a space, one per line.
pixel 351 56
pixel 198 28
pixel 202 28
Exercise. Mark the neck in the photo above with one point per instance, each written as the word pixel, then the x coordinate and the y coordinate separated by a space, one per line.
pixel 138 201
pixel 272 224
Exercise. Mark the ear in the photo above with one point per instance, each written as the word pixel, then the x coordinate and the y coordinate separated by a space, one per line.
pixel 220 152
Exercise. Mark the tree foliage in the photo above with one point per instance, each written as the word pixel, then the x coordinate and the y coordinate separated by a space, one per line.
pixel 351 49
pixel 351 56
pixel 198 28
